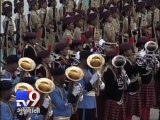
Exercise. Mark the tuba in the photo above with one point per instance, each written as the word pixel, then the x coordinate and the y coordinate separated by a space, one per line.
pixel 75 74
pixel 96 62
pixel 27 65
pixel 151 47
pixel 45 86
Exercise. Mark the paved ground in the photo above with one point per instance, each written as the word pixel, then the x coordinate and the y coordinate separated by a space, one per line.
pixel 154 114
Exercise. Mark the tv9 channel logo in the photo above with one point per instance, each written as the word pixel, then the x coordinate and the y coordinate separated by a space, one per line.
pixel 27 99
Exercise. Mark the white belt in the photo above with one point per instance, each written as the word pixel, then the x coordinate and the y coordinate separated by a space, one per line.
pixel 91 93
pixel 61 118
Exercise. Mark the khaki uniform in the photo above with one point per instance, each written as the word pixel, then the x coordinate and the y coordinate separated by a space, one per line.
pixel 42 13
pixel 116 25
pixel 95 3
pixel 109 32
pixel 10 33
pixel 83 7
pixel 77 34
pixel 35 21
pixel 125 25
pixel 52 32
pixel 144 22
pixel 156 16
pixel 67 35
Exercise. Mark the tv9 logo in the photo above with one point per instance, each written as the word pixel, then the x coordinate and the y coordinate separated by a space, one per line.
pixel 27 99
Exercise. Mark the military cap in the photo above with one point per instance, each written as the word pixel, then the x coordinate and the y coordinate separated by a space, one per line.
pixel 29 80
pixel 58 71
pixel 43 54
pixel 32 2
pixel 61 46
pixel 91 14
pixel 5 85
pixel 86 35
pixel 11 59
pixel 140 4
pixel 29 36
pixel 18 4
pixel 125 46
pixel 68 18
pixel 41 2
pixel 85 54
pixel 110 54
pixel 78 15
pixel 127 7
pixel 106 13
pixel 112 7
pixel 6 7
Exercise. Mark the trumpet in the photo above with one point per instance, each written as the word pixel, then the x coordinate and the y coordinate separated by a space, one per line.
pixel 26 64
pixel 45 86
pixel 75 74
pixel 96 61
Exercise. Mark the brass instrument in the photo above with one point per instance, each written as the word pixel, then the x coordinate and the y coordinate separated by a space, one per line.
pixel 96 61
pixel 151 47
pixel 45 86
pixel 75 74
pixel 22 86
pixel 119 63
pixel 26 64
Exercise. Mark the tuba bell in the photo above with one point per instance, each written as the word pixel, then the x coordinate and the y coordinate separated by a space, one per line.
pixel 75 74
pixel 23 87
pixel 96 62
pixel 26 64
pixel 119 61
pixel 151 47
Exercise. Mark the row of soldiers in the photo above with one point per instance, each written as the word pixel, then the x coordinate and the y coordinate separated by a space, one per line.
pixel 125 28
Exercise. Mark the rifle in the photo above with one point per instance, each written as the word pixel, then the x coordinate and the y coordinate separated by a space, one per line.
pixel 152 25
pixel 5 51
pixel 17 32
pixel 139 27
pixel 29 23
pixel 129 27
pixel 121 21
pixel 44 29
pixel 54 23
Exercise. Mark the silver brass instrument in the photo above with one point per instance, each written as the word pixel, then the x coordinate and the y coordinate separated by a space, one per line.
pixel 45 86
pixel 26 64
pixel 96 62
pixel 75 74
pixel 119 63
pixel 151 47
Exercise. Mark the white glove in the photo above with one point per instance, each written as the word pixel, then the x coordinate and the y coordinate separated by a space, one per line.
pixel 102 85
pixel 46 103
pixel 81 98
pixel 94 78
pixel 128 81
pixel 76 90
pixel 50 113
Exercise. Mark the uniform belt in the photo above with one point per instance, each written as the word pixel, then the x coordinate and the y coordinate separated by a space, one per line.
pixel 61 118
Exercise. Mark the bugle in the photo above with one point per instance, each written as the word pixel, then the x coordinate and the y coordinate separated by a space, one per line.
pixel 75 74
pixel 96 62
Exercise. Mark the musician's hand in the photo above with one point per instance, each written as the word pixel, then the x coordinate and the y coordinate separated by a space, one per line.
pixel 76 90
pixel 81 98
pixel 46 103
pixel 94 78
pixel 50 113
pixel 102 85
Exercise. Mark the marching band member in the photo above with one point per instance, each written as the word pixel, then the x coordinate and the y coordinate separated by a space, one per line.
pixel 87 107
pixel 114 79
pixel 59 97
pixel 44 18
pixel 11 69
pixel 61 50
pixel 8 44
pixel 43 68
pixel 68 26
pixel 53 20
pixel 132 96
pixel 7 112
pixel 21 24
pixel 109 30
pixel 34 19
pixel 146 68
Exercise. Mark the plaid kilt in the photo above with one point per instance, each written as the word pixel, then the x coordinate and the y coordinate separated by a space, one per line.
pixel 114 111
pixel 133 104
pixel 148 96
pixel 157 87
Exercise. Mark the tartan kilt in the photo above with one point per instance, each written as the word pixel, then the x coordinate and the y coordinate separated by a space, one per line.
pixel 114 111
pixel 148 95
pixel 133 104
pixel 157 87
